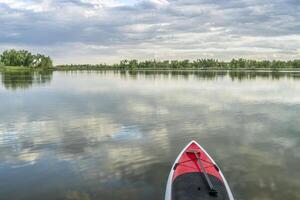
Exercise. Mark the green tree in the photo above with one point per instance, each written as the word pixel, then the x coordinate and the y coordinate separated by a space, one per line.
pixel 41 61
pixel 25 58
pixel 133 64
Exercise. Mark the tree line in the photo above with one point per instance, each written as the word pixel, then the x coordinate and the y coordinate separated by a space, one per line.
pixel 24 58
pixel 187 64
pixel 27 59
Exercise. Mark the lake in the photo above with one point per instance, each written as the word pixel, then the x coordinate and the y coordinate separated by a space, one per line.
pixel 114 135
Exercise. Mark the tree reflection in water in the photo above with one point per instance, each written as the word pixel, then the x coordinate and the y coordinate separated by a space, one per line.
pixel 25 79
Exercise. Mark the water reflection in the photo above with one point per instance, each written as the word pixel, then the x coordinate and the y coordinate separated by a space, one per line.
pixel 25 79
pixel 211 75
pixel 114 135
pixel 207 75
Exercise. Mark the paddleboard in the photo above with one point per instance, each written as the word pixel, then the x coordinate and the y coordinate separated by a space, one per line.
pixel 196 176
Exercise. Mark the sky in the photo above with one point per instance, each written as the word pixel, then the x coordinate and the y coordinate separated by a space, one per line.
pixel 107 31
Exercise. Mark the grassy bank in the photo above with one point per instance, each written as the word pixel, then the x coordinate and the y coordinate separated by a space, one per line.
pixel 22 69
pixel 15 68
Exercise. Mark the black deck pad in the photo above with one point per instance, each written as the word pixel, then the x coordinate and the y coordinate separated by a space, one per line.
pixel 193 186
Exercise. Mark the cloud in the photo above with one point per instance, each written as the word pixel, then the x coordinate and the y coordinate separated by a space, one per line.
pixel 110 30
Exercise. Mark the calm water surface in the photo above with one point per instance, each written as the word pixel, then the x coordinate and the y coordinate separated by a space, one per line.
pixel 112 135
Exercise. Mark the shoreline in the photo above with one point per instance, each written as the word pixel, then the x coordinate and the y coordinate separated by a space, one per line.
pixel 182 69
pixel 27 69
pixel 23 69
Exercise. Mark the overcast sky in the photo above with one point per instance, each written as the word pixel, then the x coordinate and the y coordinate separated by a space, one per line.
pixel 97 31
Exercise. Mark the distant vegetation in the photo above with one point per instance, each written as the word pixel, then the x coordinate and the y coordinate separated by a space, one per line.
pixel 23 58
pixel 186 64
